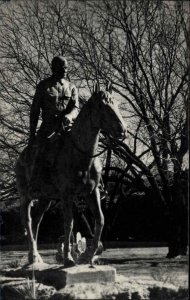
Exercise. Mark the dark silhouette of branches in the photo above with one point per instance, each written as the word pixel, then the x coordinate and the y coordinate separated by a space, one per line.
pixel 141 46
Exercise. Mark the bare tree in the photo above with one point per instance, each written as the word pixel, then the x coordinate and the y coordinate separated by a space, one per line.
pixel 141 46
pixel 142 49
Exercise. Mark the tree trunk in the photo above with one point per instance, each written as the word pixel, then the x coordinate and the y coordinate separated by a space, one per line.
pixel 177 221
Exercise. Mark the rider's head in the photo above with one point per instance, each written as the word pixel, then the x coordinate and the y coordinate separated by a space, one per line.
pixel 59 66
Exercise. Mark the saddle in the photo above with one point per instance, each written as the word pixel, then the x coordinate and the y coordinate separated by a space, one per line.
pixel 39 162
pixel 39 158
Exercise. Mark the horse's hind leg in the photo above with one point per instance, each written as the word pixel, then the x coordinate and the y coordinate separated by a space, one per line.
pixel 95 207
pixel 27 223
pixel 32 227
pixel 39 211
pixel 68 227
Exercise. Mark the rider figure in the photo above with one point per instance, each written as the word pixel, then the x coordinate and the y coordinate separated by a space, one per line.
pixel 57 98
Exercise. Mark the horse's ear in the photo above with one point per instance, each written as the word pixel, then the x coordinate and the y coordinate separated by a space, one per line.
pixel 96 88
pixel 109 87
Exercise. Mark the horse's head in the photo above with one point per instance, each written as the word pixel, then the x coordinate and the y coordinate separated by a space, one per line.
pixel 107 115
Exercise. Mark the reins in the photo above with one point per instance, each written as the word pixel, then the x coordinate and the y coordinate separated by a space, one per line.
pixel 76 146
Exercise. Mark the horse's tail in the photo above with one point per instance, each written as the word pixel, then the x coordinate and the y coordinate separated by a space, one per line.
pixel 21 179
pixel 23 169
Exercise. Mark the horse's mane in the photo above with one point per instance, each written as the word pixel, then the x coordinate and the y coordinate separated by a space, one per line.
pixel 85 105
pixel 99 95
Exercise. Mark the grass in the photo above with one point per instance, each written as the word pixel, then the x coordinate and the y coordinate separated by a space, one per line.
pixel 30 288
pixel 14 264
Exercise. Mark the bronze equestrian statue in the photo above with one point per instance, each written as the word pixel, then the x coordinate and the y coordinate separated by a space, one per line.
pixel 77 169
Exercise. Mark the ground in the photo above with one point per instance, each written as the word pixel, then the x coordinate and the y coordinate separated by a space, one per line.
pixel 145 265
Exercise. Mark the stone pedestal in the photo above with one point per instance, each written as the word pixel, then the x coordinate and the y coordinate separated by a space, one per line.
pixel 88 274
pixel 59 277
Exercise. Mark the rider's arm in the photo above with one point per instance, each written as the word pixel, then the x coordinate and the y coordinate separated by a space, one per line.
pixel 72 109
pixel 34 113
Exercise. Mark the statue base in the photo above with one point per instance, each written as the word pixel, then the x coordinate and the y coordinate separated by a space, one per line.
pixel 89 274
pixel 59 277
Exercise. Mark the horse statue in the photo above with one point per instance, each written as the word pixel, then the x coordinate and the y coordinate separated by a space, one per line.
pixel 76 173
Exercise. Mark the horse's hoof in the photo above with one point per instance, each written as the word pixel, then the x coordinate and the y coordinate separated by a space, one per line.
pixel 100 248
pixel 83 259
pixel 69 263
pixel 35 259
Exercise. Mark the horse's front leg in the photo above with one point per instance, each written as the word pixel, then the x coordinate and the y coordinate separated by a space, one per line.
pixel 95 207
pixel 68 227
